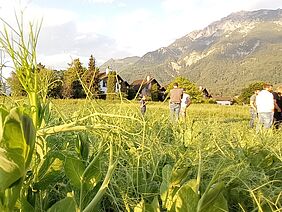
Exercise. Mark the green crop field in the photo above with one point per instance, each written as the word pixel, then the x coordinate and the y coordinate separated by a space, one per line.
pixel 94 155
pixel 212 161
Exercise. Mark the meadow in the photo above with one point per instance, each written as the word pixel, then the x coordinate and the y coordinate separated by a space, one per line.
pixel 212 161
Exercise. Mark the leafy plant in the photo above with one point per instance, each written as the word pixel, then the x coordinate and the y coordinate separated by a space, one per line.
pixel 190 87
pixel 26 129
pixel 249 91
pixel 16 151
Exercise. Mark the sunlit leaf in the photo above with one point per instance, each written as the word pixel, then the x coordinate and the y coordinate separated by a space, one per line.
pixel 93 173
pixel 10 171
pixel 210 196
pixel 178 176
pixel 186 200
pixel 74 169
pixel 219 205
pixel 65 205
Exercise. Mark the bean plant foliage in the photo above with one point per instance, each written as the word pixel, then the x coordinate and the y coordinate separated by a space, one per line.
pixel 36 172
pixel 98 155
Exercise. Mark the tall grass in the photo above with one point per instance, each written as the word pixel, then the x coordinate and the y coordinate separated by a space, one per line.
pixel 248 163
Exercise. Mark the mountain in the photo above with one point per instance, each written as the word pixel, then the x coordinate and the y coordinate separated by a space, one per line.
pixel 119 64
pixel 224 57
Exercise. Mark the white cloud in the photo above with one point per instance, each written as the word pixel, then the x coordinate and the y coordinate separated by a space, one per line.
pixel 93 25
pixel 33 13
pixel 100 1
pixel 136 31
pixel 177 5
pixel 185 16
pixel 52 16
pixel 58 61
pixel 66 34
pixel 122 4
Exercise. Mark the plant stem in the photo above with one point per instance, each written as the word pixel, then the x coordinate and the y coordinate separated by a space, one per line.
pixel 91 206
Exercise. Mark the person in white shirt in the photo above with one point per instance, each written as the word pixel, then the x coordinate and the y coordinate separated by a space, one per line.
pixel 185 102
pixel 265 107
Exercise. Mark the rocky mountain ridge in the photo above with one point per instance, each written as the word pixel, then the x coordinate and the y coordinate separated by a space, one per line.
pixel 242 44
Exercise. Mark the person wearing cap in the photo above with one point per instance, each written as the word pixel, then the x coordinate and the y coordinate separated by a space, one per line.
pixel 175 101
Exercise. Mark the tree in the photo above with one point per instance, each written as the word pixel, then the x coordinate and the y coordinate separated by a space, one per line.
pixel 249 91
pixel 111 85
pixel 190 87
pixel 56 87
pixel 131 94
pixel 154 92
pixel 48 79
pixel 91 78
pixel 16 87
pixel 73 87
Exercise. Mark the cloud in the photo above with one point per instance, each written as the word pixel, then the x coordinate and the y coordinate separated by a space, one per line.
pixel 270 4
pixel 34 13
pixel 136 31
pixel 67 42
pixel 51 16
pixel 185 16
pixel 119 32
pixel 63 36
pixel 100 1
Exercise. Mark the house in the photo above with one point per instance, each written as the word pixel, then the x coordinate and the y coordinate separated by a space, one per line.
pixel 223 100
pixel 143 87
pixel 205 92
pixel 121 85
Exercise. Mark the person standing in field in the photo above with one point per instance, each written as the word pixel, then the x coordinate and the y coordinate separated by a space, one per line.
pixel 265 107
pixel 185 102
pixel 277 107
pixel 174 102
pixel 253 108
pixel 143 106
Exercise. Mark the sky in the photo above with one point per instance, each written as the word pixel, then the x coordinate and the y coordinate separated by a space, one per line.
pixel 117 28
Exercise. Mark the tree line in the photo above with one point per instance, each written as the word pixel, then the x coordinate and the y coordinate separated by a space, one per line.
pixel 74 82
pixel 78 82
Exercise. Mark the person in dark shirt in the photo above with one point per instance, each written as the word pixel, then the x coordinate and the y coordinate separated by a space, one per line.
pixel 277 107
pixel 174 102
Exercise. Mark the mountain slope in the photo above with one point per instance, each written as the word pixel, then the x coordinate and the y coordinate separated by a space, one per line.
pixel 224 57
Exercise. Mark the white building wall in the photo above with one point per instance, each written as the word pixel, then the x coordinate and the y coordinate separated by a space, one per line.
pixel 223 102
pixel 103 88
